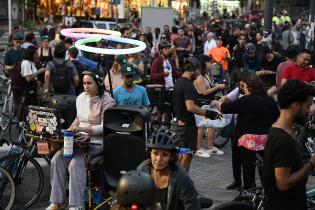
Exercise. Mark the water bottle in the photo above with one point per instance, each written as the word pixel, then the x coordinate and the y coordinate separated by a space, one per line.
pixel 68 138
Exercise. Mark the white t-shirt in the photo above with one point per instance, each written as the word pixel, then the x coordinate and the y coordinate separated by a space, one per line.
pixel 208 46
pixel 169 79
pixel 28 68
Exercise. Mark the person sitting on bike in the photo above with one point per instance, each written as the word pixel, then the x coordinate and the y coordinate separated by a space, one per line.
pixel 206 90
pixel 174 188
pixel 251 58
pixel 136 190
pixel 90 106
pixel 256 113
pixel 130 93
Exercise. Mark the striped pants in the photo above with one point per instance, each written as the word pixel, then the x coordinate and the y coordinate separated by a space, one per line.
pixel 77 178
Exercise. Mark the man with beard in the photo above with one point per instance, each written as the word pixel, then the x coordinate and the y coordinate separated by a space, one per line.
pixel 284 175
pixel 130 93
pixel 183 99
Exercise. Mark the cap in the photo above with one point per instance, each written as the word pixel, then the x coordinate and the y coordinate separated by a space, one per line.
pixel 128 69
pixel 121 59
pixel 17 36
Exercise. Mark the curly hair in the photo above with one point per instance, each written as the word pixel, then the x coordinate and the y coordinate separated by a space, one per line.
pixel 294 91
pixel 255 85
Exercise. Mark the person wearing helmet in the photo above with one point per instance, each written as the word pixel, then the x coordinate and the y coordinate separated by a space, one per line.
pixel 251 58
pixel 135 191
pixel 162 70
pixel 174 188
pixel 183 99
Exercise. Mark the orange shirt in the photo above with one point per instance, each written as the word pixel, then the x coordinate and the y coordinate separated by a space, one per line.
pixel 218 54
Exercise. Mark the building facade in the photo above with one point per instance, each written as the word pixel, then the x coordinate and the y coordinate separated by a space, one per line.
pixel 105 8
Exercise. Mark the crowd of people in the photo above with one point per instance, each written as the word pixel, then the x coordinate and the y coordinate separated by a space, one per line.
pixel 269 76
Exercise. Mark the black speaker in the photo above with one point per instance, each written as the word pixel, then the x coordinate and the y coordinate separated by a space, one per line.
pixel 125 134
pixel 122 152
pixel 66 105
pixel 129 119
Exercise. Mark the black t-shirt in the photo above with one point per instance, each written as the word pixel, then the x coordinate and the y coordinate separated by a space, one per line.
pixel 270 80
pixel 184 91
pixel 256 113
pixel 282 150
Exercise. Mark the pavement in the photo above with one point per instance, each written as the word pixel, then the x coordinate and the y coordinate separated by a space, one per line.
pixel 210 176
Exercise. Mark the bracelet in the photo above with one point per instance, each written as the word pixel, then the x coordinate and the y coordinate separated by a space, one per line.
pixel 311 164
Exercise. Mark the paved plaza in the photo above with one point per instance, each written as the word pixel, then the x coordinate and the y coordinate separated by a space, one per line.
pixel 210 175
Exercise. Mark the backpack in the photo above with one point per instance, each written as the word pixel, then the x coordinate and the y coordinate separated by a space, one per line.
pixel 61 79
pixel 18 81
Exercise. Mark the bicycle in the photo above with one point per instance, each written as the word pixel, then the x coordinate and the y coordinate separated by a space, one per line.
pixel 20 163
pixel 7 108
pixel 161 106
pixel 7 190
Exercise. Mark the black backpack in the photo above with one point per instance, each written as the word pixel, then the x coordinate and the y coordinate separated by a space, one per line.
pixel 18 81
pixel 61 77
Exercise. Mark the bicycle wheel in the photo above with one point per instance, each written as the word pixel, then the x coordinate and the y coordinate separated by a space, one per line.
pixel 28 178
pixel 7 190
pixel 6 112
pixel 235 205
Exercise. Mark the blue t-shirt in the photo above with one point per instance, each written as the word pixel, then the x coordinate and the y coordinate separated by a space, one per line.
pixel 138 96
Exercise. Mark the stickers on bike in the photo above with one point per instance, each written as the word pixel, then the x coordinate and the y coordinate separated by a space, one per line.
pixel 203 122
pixel 43 121
pixel 42 148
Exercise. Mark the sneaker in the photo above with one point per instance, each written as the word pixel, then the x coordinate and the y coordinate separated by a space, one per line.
pixel 54 206
pixel 202 153
pixel 215 151
pixel 77 208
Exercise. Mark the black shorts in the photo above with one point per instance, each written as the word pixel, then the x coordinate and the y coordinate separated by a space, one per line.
pixel 186 136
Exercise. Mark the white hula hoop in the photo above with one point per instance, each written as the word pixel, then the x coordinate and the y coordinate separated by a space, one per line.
pixel 82 33
pixel 80 44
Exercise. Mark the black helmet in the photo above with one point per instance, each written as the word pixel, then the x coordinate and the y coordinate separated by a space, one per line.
pixel 163 139
pixel 164 44
pixel 250 47
pixel 136 188
pixel 191 64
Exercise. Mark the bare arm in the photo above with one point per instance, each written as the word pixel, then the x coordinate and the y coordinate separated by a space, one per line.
pixel 285 180
pixel 47 81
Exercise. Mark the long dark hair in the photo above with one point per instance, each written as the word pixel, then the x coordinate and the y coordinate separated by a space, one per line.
pixel 204 59
pixel 255 85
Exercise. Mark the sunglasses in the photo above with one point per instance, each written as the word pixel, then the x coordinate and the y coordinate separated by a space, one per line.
pixel 163 37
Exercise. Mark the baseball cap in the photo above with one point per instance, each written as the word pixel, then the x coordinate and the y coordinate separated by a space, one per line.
pixel 128 69
pixel 17 36
pixel 121 59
